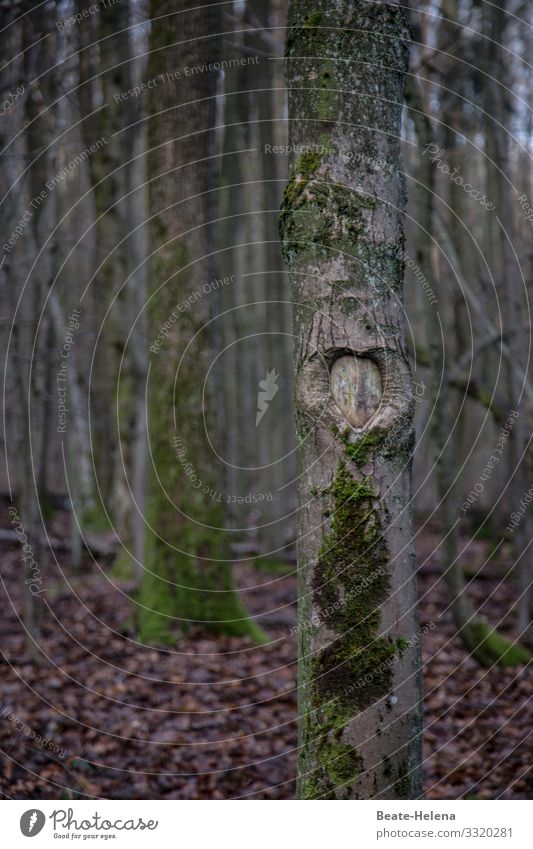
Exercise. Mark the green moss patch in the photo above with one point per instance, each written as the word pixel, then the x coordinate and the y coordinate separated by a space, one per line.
pixel 489 647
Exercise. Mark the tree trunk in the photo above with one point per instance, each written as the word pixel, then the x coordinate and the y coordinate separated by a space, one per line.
pixel 512 288
pixel 342 230
pixel 19 302
pixel 108 183
pixel 187 572
pixel 276 451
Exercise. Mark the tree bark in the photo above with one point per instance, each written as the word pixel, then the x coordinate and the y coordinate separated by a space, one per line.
pixel 342 231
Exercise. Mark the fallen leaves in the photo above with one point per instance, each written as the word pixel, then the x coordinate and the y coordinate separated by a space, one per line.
pixel 216 718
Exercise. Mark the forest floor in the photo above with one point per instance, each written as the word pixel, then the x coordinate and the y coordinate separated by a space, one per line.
pixel 216 718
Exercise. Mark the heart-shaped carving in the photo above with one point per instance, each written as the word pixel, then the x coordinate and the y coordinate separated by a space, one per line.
pixel 356 387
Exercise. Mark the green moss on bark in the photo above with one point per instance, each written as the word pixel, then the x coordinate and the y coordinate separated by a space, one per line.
pixel 350 583
pixel 312 20
pixel 402 787
pixel 489 647
pixel 364 449
pixel 342 763
pixel 188 575
pixel 343 98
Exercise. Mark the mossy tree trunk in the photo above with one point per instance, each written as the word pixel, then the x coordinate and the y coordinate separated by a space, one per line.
pixel 342 231
pixel 187 575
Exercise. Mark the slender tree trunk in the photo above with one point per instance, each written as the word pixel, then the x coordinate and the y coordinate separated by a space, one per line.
pixel 342 230
pixel 108 182
pixel 135 212
pixel 257 303
pixel 275 435
pixel 20 301
pixel 508 274
pixel 240 322
pixel 40 41
pixel 118 289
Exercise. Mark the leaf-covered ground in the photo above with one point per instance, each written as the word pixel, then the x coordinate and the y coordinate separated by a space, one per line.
pixel 216 718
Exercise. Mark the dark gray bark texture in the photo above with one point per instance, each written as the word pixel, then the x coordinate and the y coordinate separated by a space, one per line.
pixel 342 231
